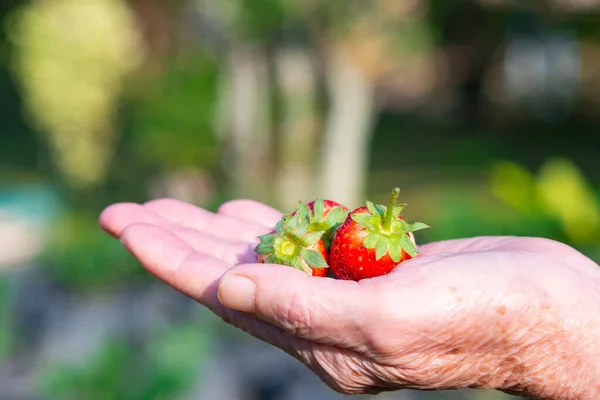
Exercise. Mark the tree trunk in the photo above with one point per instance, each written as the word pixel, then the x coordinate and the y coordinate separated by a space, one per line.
pixel 244 124
pixel 296 77
pixel 348 132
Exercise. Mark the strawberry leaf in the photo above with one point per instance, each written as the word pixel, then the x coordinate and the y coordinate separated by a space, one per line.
pixel 402 224
pixel 381 248
pixel 264 248
pixel 372 209
pixel 381 210
pixel 336 216
pixel 279 228
pixel 301 229
pixel 312 238
pixel 365 220
pixel 291 223
pixel 371 240
pixel 296 263
pixel 318 207
pixel 303 211
pixel 408 246
pixel 398 210
pixel 268 238
pixel 395 250
pixel 417 226
pixel 313 258
pixel 394 240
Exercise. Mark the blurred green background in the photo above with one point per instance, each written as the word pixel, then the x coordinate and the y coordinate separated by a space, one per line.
pixel 485 113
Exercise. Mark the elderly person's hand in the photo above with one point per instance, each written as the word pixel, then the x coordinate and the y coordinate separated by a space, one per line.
pixel 517 314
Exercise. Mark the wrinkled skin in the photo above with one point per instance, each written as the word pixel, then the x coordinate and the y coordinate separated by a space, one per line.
pixel 517 314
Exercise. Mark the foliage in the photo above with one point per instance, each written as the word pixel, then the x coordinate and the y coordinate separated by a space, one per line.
pixel 560 193
pixel 165 367
pixel 173 121
pixel 70 87
pixel 84 259
pixel 6 336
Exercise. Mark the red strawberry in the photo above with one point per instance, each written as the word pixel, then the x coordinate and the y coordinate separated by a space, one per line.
pixel 294 245
pixel 325 215
pixel 373 241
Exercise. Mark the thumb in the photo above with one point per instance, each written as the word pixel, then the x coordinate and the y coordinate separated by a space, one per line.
pixel 325 310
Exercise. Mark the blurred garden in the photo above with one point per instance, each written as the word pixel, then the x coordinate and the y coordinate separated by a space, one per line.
pixel 486 113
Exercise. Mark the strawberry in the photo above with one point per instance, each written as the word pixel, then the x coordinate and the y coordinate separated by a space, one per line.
pixel 292 243
pixel 372 241
pixel 325 215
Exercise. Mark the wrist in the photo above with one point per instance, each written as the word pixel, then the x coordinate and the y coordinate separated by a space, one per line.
pixel 582 355
pixel 563 360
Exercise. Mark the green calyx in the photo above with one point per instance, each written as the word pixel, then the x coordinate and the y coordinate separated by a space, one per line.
pixel 290 243
pixel 387 233
pixel 332 221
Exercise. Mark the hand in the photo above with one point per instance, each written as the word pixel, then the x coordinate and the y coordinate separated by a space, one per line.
pixel 516 314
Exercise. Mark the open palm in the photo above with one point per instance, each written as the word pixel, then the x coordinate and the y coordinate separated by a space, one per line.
pixel 478 312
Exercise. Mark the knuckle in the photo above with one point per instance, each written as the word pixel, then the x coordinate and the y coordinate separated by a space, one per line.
pixel 225 207
pixel 295 315
pixel 376 331
pixel 231 205
pixel 345 374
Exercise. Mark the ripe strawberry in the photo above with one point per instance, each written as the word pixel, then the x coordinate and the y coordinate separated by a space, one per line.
pixel 325 215
pixel 373 241
pixel 294 245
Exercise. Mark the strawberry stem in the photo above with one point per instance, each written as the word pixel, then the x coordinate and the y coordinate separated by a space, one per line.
pixel 389 214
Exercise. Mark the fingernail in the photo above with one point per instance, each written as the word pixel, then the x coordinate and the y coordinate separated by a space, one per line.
pixel 237 293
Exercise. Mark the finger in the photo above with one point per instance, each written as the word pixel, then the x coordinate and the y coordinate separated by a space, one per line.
pixel 319 309
pixel 190 216
pixel 197 275
pixel 162 253
pixel 251 211
pixel 115 218
pixel 231 251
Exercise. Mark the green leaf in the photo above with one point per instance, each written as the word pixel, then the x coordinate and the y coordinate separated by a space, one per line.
pixel 395 240
pixel 395 250
pixel 303 211
pixel 301 229
pixel 291 223
pixel 312 238
pixel 296 263
pixel 264 248
pixel 267 239
pixel 403 224
pixel 336 216
pixel 279 228
pixel 381 248
pixel 365 220
pixel 372 209
pixel 417 226
pixel 398 210
pixel 371 240
pixel 381 210
pixel 273 259
pixel 318 207
pixel 408 246
pixel 313 258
